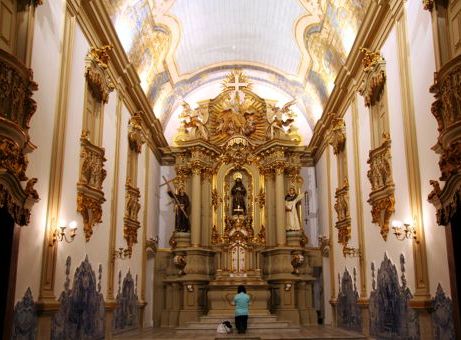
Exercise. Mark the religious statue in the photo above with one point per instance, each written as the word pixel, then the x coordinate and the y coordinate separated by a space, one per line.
pixel 193 122
pixel 291 213
pixel 280 118
pixel 238 192
pixel 181 209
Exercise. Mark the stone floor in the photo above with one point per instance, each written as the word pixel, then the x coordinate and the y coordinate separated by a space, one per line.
pixel 313 332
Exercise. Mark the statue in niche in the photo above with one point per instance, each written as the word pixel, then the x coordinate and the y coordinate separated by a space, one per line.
pixel 238 193
pixel 181 210
pixel 291 213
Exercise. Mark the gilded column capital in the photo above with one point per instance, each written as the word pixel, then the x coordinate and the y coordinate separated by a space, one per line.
pixel 375 76
pixel 135 133
pixel 428 5
pixel 96 73
pixel 337 137
pixel 279 167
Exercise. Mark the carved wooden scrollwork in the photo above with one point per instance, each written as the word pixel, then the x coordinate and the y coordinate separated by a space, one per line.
pixel 343 223
pixel 131 223
pixel 338 135
pixel 375 76
pixel 447 111
pixel 381 196
pixel 96 74
pixel 135 134
pixel 90 195
pixel 16 110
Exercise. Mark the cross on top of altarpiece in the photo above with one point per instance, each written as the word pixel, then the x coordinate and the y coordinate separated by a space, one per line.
pixel 236 84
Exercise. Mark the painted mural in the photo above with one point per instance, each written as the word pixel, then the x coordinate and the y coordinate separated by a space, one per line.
pixel 81 311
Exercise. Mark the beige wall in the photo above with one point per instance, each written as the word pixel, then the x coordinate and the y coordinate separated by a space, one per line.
pixel 46 63
pixel 47 32
pixel 421 60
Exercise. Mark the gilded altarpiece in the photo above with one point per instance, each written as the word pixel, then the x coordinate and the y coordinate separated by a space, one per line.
pixel 90 195
pixel 381 198
pixel 227 151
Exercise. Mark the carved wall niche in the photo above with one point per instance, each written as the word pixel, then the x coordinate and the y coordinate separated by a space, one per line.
pixel 90 195
pixel 343 223
pixel 381 197
pixel 337 138
pixel 447 111
pixel 130 221
pixel 16 109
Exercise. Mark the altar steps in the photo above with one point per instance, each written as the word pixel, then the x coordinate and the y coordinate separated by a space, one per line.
pixel 256 323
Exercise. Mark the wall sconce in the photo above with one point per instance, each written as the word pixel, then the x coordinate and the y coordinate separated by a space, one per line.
pixel 403 230
pixel 287 287
pixel 190 288
pixel 121 253
pixel 63 232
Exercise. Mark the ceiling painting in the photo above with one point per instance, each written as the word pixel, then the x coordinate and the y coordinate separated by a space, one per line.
pixel 296 46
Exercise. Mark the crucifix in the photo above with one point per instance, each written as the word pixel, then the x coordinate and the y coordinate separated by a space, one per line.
pixel 236 84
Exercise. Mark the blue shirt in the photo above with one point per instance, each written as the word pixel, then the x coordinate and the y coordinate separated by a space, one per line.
pixel 241 301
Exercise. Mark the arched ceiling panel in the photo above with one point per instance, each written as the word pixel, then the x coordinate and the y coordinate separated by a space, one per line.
pixel 259 31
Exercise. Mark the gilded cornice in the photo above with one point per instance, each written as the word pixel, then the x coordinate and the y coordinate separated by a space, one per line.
pixel 97 27
pixel 375 27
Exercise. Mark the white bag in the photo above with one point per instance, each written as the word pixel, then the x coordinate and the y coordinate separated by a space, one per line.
pixel 223 329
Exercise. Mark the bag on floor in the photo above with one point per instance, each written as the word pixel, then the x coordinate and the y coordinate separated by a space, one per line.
pixel 224 327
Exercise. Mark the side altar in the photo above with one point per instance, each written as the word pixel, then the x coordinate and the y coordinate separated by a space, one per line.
pixel 238 160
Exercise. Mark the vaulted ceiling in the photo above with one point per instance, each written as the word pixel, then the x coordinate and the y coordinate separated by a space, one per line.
pixel 181 46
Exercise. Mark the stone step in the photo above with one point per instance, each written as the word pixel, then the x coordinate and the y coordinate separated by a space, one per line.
pixel 252 318
pixel 251 325
pixel 254 331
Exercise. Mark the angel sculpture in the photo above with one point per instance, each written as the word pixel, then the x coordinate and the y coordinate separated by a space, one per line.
pixel 280 119
pixel 192 121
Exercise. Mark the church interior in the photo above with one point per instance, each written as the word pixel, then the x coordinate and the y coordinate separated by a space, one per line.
pixel 309 150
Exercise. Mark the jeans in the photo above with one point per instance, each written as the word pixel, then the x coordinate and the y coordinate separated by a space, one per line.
pixel 241 323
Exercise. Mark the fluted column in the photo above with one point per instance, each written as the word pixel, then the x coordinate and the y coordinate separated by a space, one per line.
pixel 195 207
pixel 280 206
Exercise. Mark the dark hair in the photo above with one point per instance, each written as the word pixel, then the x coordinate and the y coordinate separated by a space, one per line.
pixel 241 289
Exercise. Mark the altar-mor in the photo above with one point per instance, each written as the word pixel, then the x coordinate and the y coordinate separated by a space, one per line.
pixel 237 156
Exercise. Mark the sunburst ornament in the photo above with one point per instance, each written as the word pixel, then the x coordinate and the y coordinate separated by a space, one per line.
pixel 237 175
